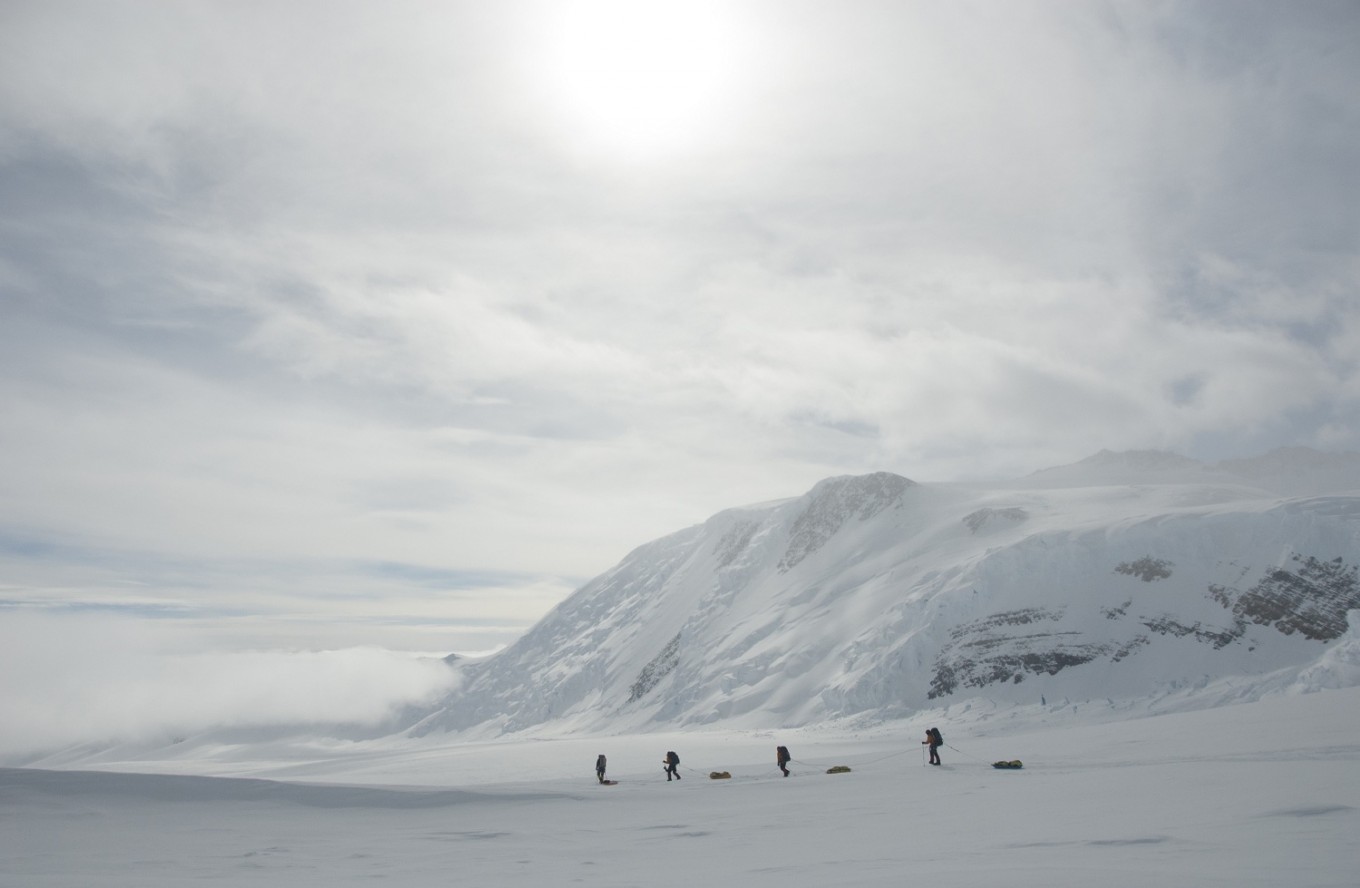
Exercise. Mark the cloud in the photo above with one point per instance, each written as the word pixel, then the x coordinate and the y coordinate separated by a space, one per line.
pixel 294 290
pixel 95 679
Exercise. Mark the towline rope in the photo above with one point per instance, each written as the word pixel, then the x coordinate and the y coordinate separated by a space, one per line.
pixel 858 763
pixel 961 752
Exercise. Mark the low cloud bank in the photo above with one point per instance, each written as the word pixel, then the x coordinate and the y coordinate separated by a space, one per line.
pixel 70 680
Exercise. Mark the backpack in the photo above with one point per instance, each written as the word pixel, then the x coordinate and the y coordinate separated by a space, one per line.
pixel 936 737
pixel 672 758
pixel 600 763
pixel 781 753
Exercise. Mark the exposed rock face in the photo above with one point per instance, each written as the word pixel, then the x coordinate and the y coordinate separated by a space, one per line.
pixel 835 502
pixel 1146 569
pixel 1311 599
pixel 1006 647
pixel 990 518
pixel 657 669
pixel 1216 636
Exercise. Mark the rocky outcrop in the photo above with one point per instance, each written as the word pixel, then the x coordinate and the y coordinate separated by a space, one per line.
pixel 987 519
pixel 1310 598
pixel 657 669
pixel 834 503
pixel 1146 569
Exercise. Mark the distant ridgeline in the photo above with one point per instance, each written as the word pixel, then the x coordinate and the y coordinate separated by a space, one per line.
pixel 1122 576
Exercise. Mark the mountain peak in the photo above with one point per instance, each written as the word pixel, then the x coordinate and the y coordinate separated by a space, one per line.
pixel 1299 470
pixel 1141 460
pixel 874 597
pixel 1286 471
pixel 1110 467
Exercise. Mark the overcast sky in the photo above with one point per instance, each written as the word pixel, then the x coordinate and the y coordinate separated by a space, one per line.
pixel 326 324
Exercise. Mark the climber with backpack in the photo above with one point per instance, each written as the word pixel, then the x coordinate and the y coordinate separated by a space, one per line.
pixel 934 739
pixel 782 758
pixel 672 764
pixel 600 764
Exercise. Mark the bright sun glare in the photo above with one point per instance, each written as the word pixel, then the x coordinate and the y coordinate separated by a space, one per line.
pixel 639 77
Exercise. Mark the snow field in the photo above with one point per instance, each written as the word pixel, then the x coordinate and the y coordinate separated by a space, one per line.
pixel 1261 794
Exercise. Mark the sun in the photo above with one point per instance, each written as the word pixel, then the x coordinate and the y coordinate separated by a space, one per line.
pixel 639 77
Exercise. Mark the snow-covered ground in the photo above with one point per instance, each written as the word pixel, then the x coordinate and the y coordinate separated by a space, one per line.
pixel 1259 794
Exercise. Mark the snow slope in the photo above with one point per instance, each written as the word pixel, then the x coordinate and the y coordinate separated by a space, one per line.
pixel 1124 577
pixel 1262 794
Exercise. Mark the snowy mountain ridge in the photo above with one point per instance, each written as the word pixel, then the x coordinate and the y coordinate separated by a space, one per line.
pixel 1121 577
pixel 1289 471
